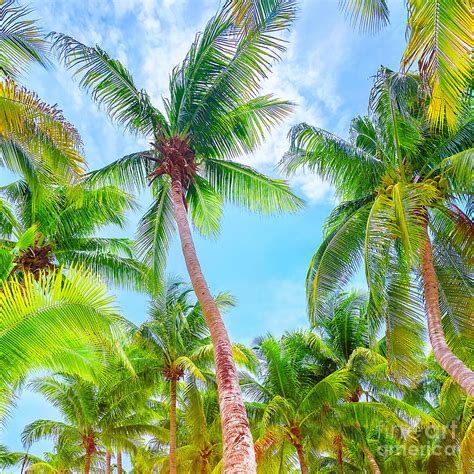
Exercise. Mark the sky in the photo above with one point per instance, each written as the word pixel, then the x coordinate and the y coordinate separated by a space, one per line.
pixel 262 261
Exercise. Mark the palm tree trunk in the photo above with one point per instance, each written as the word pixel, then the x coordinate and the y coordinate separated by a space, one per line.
pixel 119 462
pixel 173 427
pixel 446 359
pixel 374 467
pixel 108 468
pixel 239 454
pixel 339 455
pixel 87 462
pixel 303 466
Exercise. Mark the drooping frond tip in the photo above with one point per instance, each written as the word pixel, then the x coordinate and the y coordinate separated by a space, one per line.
pixel 21 41
pixel 369 15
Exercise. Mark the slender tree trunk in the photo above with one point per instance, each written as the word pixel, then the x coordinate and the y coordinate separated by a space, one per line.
pixel 87 462
pixel 446 359
pixel 303 466
pixel 173 427
pixel 374 467
pixel 108 466
pixel 119 462
pixel 339 454
pixel 239 454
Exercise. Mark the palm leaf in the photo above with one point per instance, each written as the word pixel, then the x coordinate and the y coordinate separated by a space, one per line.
pixel 441 43
pixel 110 85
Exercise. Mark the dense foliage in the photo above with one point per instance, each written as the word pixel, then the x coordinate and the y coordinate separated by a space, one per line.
pixel 357 391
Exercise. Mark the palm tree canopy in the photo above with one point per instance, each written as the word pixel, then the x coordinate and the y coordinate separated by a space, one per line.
pixel 64 222
pixel 395 175
pixel 213 114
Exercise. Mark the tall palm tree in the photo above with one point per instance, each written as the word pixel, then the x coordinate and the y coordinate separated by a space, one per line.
pixel 213 115
pixel 90 421
pixel 63 222
pixel 175 330
pixel 62 321
pixel 401 185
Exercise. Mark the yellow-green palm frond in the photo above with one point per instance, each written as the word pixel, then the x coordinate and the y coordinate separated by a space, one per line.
pixel 60 321
pixel 441 41
pixel 39 129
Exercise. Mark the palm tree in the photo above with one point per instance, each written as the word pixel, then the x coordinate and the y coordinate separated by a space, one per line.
pixel 62 321
pixel 62 222
pixel 176 342
pixel 35 138
pixel 90 420
pixel 291 397
pixel 171 336
pixel 213 115
pixel 400 184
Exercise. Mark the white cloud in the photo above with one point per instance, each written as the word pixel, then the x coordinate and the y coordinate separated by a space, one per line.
pixel 314 188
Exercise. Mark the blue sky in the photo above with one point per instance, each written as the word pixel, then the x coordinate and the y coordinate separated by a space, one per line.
pixel 262 261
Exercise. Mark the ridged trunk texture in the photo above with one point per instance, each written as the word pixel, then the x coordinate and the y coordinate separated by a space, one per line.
pixel 239 454
pixel 303 467
pixel 443 354
pixel 119 462
pixel 87 462
pixel 374 467
pixel 173 426
pixel 108 466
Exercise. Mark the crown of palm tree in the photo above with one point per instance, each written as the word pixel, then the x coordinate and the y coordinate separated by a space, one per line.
pixel 396 178
pixel 212 115
pixel 56 225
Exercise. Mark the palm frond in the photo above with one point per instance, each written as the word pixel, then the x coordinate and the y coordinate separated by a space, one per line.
pixel 111 85
pixel 369 15
pixel 21 41
pixel 244 186
pixel 439 40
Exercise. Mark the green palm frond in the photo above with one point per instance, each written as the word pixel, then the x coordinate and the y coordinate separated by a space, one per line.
pixel 129 172
pixel 244 186
pixel 337 259
pixel 235 63
pixel 349 168
pixel 369 15
pixel 110 85
pixel 205 205
pixel 156 228
pixel 21 41
pixel 60 322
